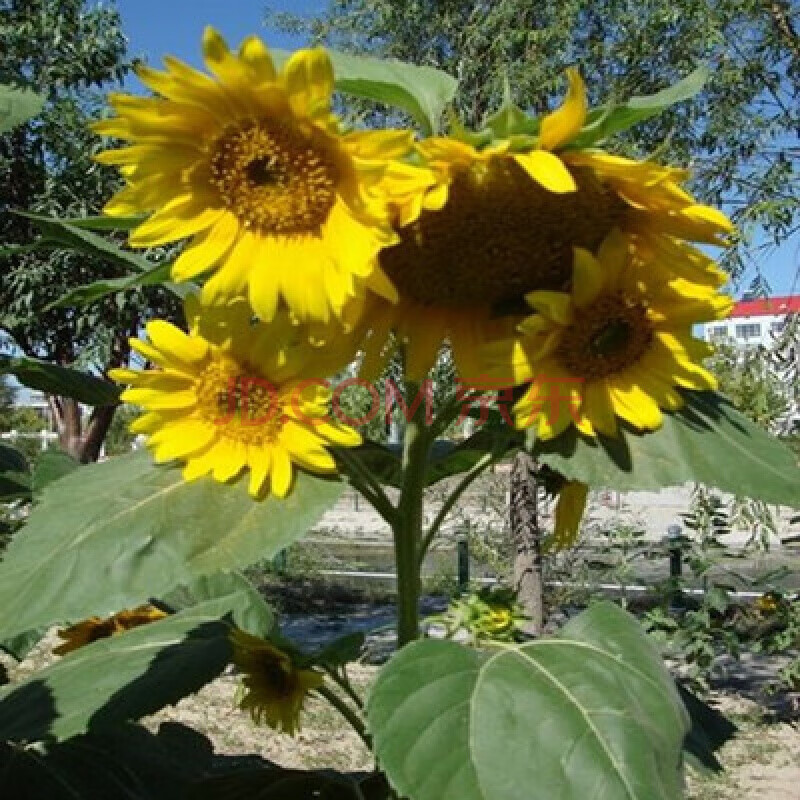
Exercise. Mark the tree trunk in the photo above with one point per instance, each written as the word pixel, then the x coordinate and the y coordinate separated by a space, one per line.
pixel 84 444
pixel 526 538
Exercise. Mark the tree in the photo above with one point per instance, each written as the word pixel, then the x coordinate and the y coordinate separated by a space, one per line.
pixel 63 50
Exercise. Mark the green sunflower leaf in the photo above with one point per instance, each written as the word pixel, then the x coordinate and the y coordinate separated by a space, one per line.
pixel 54 379
pixel 590 713
pixel 707 441
pixel 63 234
pixel 423 92
pixel 17 105
pixel 254 616
pixel 158 275
pixel 603 123
pixel 122 677
pixel 125 762
pixel 110 536
pixel 51 466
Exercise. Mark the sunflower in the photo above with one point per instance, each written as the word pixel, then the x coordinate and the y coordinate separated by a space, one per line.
pixel 620 345
pixel 94 628
pixel 250 164
pixel 273 687
pixel 234 392
pixel 480 228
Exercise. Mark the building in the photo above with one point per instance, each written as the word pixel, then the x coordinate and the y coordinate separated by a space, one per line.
pixel 753 323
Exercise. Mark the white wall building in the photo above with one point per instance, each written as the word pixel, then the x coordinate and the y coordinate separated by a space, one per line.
pixel 753 322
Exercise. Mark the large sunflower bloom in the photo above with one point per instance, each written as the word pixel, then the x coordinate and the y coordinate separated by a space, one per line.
pixel 94 628
pixel 274 689
pixel 619 346
pixel 480 228
pixel 250 164
pixel 234 394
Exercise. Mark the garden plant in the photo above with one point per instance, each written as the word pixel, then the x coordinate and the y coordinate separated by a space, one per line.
pixel 565 282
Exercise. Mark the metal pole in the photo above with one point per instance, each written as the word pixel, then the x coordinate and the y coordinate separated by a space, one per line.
pixel 462 548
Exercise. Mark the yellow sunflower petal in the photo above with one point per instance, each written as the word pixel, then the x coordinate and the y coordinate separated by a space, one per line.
pixel 563 124
pixel 170 339
pixel 206 250
pixel 588 279
pixel 555 306
pixel 308 75
pixel 281 472
pixel 547 170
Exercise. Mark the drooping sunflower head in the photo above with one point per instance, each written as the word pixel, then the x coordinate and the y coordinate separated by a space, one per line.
pixel 619 345
pixel 94 628
pixel 235 393
pixel 273 688
pixel 249 163
pixel 481 227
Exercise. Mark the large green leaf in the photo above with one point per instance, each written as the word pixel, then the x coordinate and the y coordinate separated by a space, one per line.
pixel 276 784
pixel 110 536
pixel 15 476
pixel 60 233
pixel 17 105
pixel 50 466
pixel 123 677
pixel 590 713
pixel 124 763
pixel 127 762
pixel 105 223
pixel 54 379
pixel 11 459
pixel 708 441
pixel 254 616
pixel 604 123
pixel 423 92
pixel 158 275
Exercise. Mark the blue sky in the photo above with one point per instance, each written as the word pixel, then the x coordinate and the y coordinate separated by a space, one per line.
pixel 158 27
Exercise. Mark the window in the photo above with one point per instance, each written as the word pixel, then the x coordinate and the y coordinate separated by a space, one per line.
pixel 777 325
pixel 718 333
pixel 750 330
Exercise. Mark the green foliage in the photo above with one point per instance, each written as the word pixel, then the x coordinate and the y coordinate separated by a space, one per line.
pixel 749 380
pixel 119 439
pixel 708 441
pixel 17 105
pixel 109 536
pixel 621 736
pixel 62 50
pixel 57 380
pixel 421 91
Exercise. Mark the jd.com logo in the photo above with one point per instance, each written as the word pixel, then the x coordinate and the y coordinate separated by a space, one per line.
pixel 255 401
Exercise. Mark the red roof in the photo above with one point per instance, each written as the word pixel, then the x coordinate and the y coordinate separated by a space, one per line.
pixel 767 306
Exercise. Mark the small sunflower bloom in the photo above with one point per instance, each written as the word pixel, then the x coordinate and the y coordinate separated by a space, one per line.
pixel 273 688
pixel 249 164
pixel 234 393
pixel 95 628
pixel 619 346
pixel 479 228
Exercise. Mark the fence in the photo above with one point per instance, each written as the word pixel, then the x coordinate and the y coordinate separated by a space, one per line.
pixel 45 436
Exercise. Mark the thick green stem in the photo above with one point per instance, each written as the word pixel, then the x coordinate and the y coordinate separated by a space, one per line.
pixel 356 723
pixel 408 527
